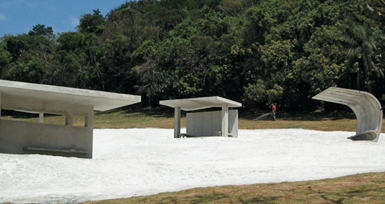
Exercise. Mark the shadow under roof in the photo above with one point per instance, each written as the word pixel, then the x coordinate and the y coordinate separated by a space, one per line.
pixel 100 100
pixel 191 104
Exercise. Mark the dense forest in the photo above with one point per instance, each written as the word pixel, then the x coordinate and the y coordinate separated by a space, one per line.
pixel 252 51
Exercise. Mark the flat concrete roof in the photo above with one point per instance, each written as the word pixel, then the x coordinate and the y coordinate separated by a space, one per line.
pixel 191 104
pixel 100 100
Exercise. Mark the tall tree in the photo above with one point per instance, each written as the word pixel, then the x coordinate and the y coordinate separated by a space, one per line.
pixel 360 55
pixel 41 30
pixel 92 23
pixel 375 10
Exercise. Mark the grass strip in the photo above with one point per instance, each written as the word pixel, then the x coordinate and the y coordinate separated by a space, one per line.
pixel 360 188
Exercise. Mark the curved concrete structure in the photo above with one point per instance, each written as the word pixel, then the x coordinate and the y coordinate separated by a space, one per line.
pixel 367 108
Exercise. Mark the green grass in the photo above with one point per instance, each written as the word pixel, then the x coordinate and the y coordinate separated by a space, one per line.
pixel 361 188
pixel 134 118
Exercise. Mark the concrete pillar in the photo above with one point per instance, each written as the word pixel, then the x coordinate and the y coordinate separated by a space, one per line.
pixel 86 122
pixel 0 105
pixel 89 119
pixel 41 117
pixel 177 113
pixel 69 119
pixel 225 120
pixel 89 123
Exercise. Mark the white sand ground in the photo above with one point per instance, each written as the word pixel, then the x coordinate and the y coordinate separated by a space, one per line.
pixel 132 162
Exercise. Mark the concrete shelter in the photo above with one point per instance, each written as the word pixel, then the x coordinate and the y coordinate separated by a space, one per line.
pixel 367 108
pixel 215 123
pixel 66 139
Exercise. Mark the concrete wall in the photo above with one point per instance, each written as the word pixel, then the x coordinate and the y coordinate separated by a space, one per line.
pixel 233 122
pixel 209 123
pixel 16 136
pixel 30 137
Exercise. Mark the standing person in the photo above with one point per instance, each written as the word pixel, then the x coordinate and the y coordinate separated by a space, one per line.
pixel 273 109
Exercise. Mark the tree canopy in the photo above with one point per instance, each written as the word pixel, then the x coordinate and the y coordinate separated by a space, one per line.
pixel 257 52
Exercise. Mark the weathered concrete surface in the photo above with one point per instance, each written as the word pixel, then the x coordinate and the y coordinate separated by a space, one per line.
pixel 367 108
pixel 17 136
pixel 208 123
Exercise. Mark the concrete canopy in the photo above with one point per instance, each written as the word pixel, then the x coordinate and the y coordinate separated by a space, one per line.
pixel 65 138
pixel 367 108
pixel 192 104
pixel 100 100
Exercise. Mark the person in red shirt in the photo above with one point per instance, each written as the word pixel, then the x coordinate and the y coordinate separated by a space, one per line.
pixel 273 109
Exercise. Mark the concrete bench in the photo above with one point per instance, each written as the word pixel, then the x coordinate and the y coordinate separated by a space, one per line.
pixel 184 135
pixel 219 133
pixel 54 151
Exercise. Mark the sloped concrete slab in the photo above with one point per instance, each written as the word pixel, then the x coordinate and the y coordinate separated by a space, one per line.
pixel 100 100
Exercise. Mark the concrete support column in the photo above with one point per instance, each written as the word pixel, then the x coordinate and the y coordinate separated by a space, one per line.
pixel 69 119
pixel 89 123
pixel 225 120
pixel 90 118
pixel 41 117
pixel 0 105
pixel 177 113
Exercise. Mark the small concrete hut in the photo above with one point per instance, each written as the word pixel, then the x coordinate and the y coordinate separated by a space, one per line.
pixel 211 123
pixel 20 137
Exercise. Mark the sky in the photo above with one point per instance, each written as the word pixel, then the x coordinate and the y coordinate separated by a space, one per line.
pixel 19 16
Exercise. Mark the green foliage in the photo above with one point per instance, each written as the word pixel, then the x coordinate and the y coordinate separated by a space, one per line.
pixel 254 51
pixel 28 68
pixel 92 23
pixel 361 47
pixel 5 57
pixel 261 93
pixel 41 30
